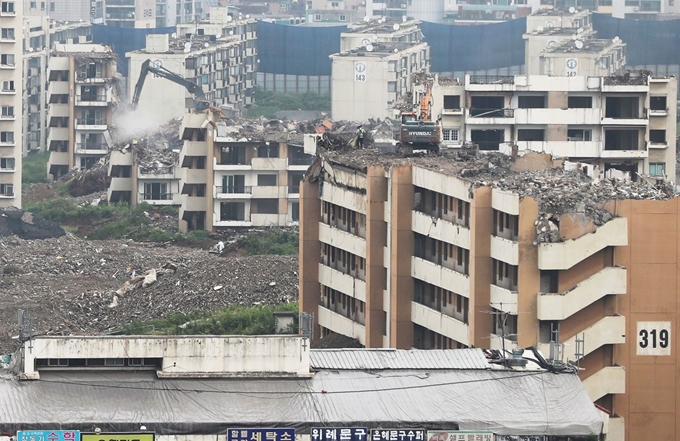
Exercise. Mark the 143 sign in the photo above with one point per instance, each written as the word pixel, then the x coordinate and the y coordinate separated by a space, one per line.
pixel 653 338
pixel 359 71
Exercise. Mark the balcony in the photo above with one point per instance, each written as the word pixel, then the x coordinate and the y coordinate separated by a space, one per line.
pixel 95 79
pixel 590 116
pixel 442 277
pixel 559 306
pixel 505 250
pixel 560 149
pixel 193 176
pixel 342 239
pixel 270 192
pixel 57 111
pixel 490 117
pixel 160 199
pixel 120 184
pixel 194 203
pixel 92 100
pixel 345 198
pixel 609 330
pixel 345 283
pixel 269 164
pixel 57 134
pixel 503 299
pixel 440 229
pixel 564 255
pixel 446 112
pixel 194 148
pixel 624 154
pixel 57 87
pixel 638 120
pixel 341 324
pixel 440 323
pixel 233 192
pixel 91 124
pixel 91 148
pixel 190 123
pixel 489 83
pixel 608 380
pixel 267 220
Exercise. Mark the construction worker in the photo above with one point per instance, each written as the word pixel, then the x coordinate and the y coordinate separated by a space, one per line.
pixel 360 136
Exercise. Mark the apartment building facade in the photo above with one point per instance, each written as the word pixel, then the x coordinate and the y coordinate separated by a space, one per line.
pixel 224 65
pixel 409 254
pixel 228 179
pixel 11 75
pixel 626 122
pixel 334 11
pixel 367 81
pixel 80 112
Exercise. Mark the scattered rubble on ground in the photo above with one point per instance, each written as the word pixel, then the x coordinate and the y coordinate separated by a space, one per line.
pixel 337 341
pixel 72 286
pixel 26 225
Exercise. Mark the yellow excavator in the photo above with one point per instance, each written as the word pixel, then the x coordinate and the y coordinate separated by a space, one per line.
pixel 417 130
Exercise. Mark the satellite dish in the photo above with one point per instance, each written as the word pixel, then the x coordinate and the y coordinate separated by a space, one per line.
pixel 572 10
pixel 539 29
pixel 206 44
pixel 174 35
pixel 403 19
pixel 578 44
pixel 369 48
pixel 396 50
pixel 231 32
pixel 229 18
pixel 552 43
pixel 396 26
pixel 617 39
pixel 247 15
pixel 218 36
pixel 367 18
pixel 549 24
pixel 187 46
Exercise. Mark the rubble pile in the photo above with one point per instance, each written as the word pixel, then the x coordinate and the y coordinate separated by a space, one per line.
pixel 71 286
pixel 26 225
pixel 86 182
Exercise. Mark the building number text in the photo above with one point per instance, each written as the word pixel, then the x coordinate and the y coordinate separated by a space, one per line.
pixel 654 338
pixel 647 337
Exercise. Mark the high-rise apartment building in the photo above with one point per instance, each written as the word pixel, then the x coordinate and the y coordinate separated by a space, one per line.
pixel 451 251
pixel 81 96
pixel 11 79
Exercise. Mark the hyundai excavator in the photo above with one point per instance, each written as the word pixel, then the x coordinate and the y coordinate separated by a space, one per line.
pixel 417 130
pixel 200 103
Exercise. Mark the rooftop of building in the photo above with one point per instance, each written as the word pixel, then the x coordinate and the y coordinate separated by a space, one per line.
pixel 379 49
pixel 87 49
pixel 559 12
pixel 591 46
pixel 195 44
pixel 558 31
pixel 382 26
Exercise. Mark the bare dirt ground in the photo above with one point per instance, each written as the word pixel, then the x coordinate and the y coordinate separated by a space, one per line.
pixel 68 285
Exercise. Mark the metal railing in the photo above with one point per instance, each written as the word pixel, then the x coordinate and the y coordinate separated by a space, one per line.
pixel 492 79
pixel 156 196
pixel 88 146
pixel 90 122
pixel 300 160
pixel 236 189
pixel 491 113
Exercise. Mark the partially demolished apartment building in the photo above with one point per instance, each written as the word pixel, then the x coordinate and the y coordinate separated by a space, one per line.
pixel 450 251
pixel 81 93
pixel 10 103
pixel 576 101
pixel 219 55
pixel 238 176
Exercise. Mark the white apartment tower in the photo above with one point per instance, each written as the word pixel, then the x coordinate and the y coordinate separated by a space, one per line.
pixel 10 102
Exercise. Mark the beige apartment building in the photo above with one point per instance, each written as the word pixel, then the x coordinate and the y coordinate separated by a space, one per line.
pixel 447 252
pixel 229 177
pixel 81 96
pixel 10 102
pixel 367 81
pixel 623 122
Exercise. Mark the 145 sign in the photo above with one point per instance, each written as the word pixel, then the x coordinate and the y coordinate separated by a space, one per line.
pixel 653 338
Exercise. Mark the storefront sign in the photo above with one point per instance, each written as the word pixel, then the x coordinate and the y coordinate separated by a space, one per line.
pixel 397 435
pixel 339 433
pixel 145 436
pixel 48 435
pixel 459 435
pixel 261 434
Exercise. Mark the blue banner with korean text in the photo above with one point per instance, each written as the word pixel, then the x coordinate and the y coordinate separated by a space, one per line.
pixel 261 434
pixel 339 433
pixel 48 435
pixel 398 434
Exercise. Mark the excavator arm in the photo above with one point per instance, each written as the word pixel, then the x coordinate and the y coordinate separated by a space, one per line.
pixel 194 89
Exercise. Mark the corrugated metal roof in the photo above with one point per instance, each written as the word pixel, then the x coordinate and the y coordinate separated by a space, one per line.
pixel 381 359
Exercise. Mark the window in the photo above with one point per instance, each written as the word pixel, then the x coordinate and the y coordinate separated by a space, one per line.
pixel 334 4
pixel 156 191
pixel 343 17
pixel 7 137
pixel 268 206
pixel 531 102
pixel 266 180
pixel 657 169
pixel 317 17
pixel 42 6
pixel 51 6
pixel 57 362
pixel 8 33
pixel 579 134
pixel 7 111
pixel 7 189
pixel 451 102
pixel 580 102
pixel 392 67
pixel 391 86
pixel 6 163
pixel 295 211
pixel 268 151
pixel 530 135
pixel 450 134
pixel 33 5
pixel 114 362
pixel 657 103
pixel 8 86
pixel 8 7
pixel 7 59
pixel 657 136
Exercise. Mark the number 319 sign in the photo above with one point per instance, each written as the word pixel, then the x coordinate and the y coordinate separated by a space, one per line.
pixel 653 338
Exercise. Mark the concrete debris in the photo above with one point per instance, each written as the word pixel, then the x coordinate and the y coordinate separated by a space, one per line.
pixel 630 78
pixel 26 225
pixel 72 286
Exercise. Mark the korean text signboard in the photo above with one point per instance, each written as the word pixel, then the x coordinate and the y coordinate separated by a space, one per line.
pixel 48 435
pixel 520 438
pixel 459 435
pixel 139 436
pixel 339 434
pixel 261 434
pixel 397 435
